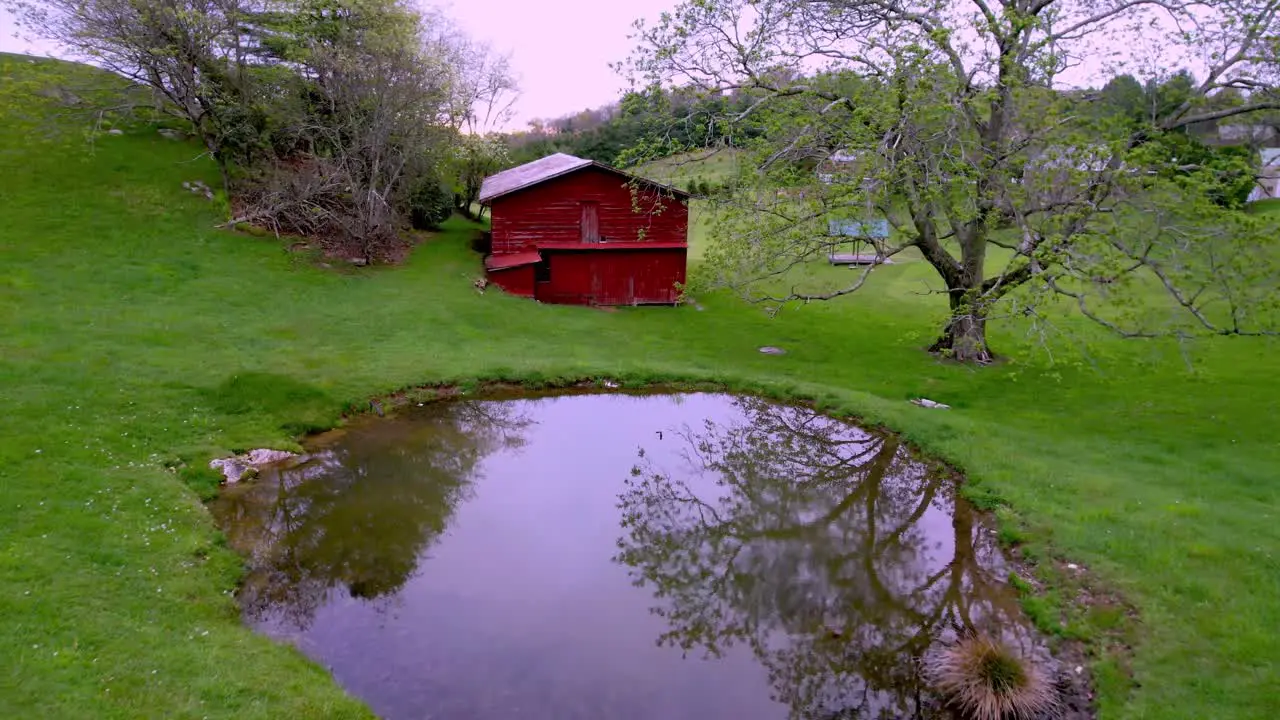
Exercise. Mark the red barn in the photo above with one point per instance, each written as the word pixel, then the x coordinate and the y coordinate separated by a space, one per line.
pixel 569 230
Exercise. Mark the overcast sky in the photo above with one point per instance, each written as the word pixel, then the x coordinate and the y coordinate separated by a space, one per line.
pixel 561 49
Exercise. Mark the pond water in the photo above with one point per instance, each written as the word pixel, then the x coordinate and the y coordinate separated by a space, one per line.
pixel 617 556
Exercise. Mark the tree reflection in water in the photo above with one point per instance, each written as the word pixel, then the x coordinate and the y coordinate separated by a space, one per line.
pixel 828 551
pixel 361 512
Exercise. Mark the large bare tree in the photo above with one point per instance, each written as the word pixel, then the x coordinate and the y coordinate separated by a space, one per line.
pixel 948 120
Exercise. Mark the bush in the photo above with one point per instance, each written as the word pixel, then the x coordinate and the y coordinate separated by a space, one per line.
pixel 430 204
pixel 984 680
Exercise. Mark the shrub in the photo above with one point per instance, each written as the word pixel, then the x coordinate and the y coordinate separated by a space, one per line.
pixel 430 204
pixel 984 680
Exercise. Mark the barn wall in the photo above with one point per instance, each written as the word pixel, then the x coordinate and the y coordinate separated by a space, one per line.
pixel 517 280
pixel 552 211
pixel 613 277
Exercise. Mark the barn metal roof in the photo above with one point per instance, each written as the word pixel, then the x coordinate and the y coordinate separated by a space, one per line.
pixel 503 262
pixel 522 176
pixel 551 166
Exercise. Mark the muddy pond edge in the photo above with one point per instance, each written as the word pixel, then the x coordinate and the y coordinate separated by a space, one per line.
pixel 1091 628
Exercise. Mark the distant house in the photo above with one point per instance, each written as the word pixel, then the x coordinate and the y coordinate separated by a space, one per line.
pixel 574 231
pixel 1268 184
pixel 837 165
pixel 1246 133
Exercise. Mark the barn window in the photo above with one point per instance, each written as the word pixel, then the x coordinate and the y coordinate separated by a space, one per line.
pixel 590 226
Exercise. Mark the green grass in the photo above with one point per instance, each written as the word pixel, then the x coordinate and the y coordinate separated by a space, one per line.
pixel 138 341
pixel 1268 206
pixel 712 165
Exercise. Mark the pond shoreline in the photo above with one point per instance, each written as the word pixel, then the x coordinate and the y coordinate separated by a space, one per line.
pixel 1071 653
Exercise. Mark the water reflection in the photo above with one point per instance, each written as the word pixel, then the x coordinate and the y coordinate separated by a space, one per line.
pixel 362 510
pixel 463 561
pixel 829 552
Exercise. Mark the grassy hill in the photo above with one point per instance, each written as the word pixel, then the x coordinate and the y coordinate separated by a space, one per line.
pixel 138 341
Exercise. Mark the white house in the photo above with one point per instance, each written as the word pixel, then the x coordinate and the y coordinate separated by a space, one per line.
pixel 1268 175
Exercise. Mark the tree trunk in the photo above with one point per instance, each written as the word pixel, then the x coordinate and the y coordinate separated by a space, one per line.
pixel 964 339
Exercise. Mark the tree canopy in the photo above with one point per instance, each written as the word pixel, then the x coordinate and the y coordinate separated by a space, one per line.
pixel 948 121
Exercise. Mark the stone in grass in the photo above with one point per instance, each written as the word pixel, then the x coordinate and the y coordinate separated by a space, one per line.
pixel 771 350
pixel 927 403
pixel 243 467
pixel 233 469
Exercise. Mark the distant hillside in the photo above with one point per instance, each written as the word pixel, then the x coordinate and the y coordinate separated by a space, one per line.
pixel 712 166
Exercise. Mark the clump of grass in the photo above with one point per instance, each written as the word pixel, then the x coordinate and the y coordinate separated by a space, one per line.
pixel 984 680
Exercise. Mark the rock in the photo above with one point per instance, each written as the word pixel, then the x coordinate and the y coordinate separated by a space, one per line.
pixel 171 134
pixel 243 467
pixel 611 384
pixel 115 131
pixel 233 470
pixel 358 261
pixel 265 456
pixel 927 403
pixel 1072 566
pixel 771 350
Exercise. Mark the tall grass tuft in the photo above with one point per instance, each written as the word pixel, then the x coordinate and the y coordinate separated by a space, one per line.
pixel 985 680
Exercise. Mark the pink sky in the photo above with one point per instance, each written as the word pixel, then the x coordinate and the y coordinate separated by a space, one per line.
pixel 561 49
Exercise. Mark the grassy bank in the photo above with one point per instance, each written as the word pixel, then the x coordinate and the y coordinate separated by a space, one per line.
pixel 136 337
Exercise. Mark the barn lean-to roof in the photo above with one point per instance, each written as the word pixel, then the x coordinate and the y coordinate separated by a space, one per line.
pixel 547 168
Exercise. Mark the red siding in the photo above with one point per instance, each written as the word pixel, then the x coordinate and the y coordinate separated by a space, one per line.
pixel 517 280
pixel 640 258
pixel 618 277
pixel 552 211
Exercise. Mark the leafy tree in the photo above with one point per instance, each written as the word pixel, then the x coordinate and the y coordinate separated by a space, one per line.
pixel 941 118
pixel 1124 95
pixel 475 157
pixel 430 204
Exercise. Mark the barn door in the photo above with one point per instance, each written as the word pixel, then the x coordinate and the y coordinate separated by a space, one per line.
pixel 590 225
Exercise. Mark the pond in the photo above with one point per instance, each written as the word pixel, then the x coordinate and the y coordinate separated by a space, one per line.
pixel 620 556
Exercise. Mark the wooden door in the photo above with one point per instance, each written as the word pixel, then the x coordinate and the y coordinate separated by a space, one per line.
pixel 590 225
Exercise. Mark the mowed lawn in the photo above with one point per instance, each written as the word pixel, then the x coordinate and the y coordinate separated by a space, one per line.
pixel 136 339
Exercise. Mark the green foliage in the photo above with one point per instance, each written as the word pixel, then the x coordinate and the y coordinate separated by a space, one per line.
pixel 1223 175
pixel 1124 96
pixel 641 127
pixel 473 158
pixel 430 204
